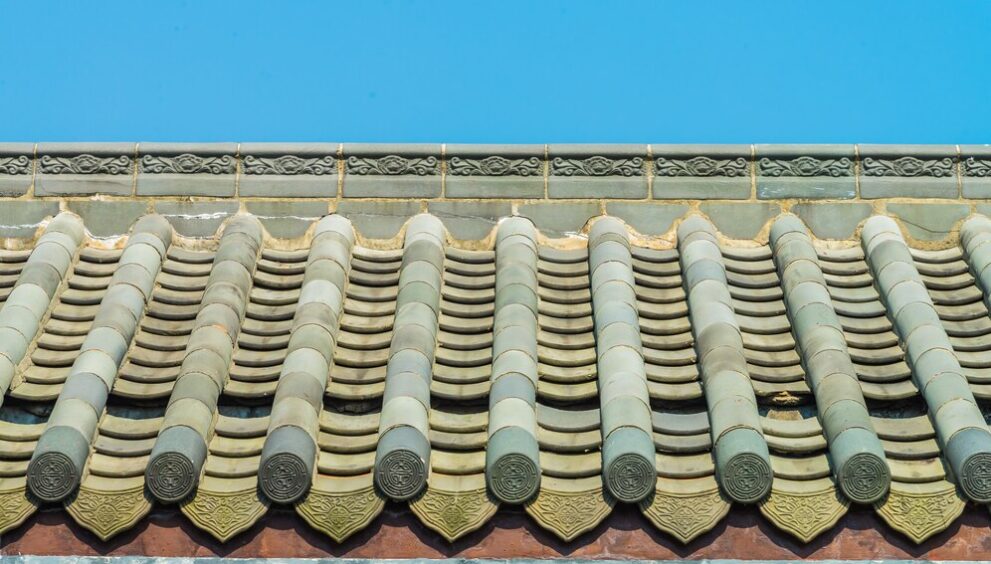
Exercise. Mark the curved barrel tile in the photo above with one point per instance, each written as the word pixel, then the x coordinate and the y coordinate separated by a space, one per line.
pixel 857 456
pixel 743 465
pixel 58 461
pixel 512 458
pixel 628 466
pixel 290 452
pixel 177 458
pixel 960 427
pixel 34 291
pixel 402 457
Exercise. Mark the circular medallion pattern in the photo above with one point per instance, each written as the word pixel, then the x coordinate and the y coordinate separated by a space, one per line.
pixel 51 476
pixel 514 478
pixel 865 478
pixel 284 478
pixel 401 474
pixel 747 478
pixel 170 477
pixel 975 478
pixel 631 477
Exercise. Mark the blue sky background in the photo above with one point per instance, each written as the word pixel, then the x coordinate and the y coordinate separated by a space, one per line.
pixel 499 71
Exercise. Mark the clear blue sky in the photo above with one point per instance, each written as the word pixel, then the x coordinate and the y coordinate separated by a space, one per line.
pixel 498 71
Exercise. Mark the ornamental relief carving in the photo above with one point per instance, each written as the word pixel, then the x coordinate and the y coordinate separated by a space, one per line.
pixel 188 163
pixel 806 166
pixel 980 168
pixel 20 164
pixel 495 166
pixel 908 166
pixel 393 165
pixel 107 513
pixel 569 514
pixel 597 166
pixel 920 515
pixel 804 515
pixel 290 165
pixel 15 507
pixel 701 166
pixel 340 515
pixel 454 514
pixel 86 164
pixel 685 516
pixel 224 514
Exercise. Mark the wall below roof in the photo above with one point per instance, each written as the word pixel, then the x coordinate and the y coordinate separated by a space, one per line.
pixel 396 533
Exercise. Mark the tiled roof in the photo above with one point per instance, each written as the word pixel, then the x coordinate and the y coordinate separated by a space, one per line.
pixel 683 370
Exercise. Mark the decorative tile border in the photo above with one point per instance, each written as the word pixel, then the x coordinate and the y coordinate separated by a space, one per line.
pixel 508 172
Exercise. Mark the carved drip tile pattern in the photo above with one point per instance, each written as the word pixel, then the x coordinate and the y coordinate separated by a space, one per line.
pixel 802 511
pixel 474 368
pixel 685 513
pixel 107 513
pixel 16 505
pixel 454 514
pixel 569 512
pixel 340 514
pixel 920 511
pixel 224 514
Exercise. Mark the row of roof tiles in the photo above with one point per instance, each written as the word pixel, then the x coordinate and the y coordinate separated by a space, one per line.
pixel 564 375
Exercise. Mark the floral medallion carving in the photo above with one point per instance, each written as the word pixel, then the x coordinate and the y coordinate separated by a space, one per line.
pixel 393 165
pixel 494 166
pixel 908 166
pixel 700 166
pixel 569 514
pixel 920 515
pixel 340 515
pixel 224 514
pixel 454 514
pixel 980 168
pixel 107 513
pixel 290 165
pixel 804 515
pixel 597 166
pixel 86 164
pixel 20 164
pixel 685 516
pixel 806 166
pixel 188 163
pixel 15 507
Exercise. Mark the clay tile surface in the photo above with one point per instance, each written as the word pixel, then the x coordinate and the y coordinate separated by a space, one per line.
pixel 230 367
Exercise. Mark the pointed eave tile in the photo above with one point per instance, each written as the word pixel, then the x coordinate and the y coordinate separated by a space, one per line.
pixel 686 508
pixel 920 511
pixel 804 509
pixel 455 505
pixel 225 507
pixel 340 507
